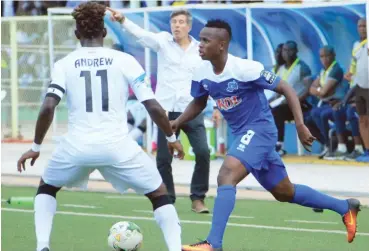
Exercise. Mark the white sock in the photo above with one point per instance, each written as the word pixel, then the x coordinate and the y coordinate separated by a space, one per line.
pixel 341 148
pixel 135 133
pixel 130 127
pixel 45 208
pixel 359 148
pixel 167 218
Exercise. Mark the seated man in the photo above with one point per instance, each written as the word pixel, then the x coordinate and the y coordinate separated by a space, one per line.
pixel 346 112
pixel 298 74
pixel 330 88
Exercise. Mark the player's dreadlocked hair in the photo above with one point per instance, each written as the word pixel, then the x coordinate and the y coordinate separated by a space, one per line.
pixel 218 23
pixel 89 19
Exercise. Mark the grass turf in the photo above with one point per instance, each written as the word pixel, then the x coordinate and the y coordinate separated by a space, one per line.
pixel 86 228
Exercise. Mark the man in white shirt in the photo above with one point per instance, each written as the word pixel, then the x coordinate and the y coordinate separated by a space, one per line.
pixel 178 57
pixel 358 76
pixel 96 81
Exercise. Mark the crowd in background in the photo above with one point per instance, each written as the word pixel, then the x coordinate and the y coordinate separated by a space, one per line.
pixel 27 8
pixel 335 102
pixel 339 123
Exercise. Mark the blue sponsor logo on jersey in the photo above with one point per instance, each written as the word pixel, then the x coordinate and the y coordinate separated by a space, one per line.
pixel 232 86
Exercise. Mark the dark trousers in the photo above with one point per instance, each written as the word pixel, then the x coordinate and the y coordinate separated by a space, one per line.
pixel 196 133
pixel 282 113
pixel 321 115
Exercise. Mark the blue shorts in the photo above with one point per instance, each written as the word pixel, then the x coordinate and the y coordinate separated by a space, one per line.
pixel 256 151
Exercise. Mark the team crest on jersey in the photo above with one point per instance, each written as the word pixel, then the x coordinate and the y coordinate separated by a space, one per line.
pixel 270 77
pixel 206 87
pixel 228 103
pixel 232 86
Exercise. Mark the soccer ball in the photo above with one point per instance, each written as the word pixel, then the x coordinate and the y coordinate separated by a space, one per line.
pixel 125 236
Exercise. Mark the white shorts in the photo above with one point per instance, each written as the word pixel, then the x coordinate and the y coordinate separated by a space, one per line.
pixel 138 172
pixel 137 110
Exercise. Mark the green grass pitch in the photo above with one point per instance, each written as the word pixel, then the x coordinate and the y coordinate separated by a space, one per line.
pixel 84 218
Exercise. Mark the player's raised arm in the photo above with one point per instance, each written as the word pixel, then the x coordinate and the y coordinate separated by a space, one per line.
pixel 54 94
pixel 146 38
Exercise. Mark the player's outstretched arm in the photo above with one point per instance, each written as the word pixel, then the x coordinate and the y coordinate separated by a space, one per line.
pixel 293 102
pixel 160 118
pixel 146 38
pixel 193 109
pixel 45 117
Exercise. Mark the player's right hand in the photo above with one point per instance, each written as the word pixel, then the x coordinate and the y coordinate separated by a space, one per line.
pixel 305 137
pixel 176 146
pixel 116 15
pixel 174 125
pixel 27 155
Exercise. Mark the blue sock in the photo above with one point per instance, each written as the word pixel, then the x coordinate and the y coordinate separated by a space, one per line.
pixel 223 207
pixel 308 197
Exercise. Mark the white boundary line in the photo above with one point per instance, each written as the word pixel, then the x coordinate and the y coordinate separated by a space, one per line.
pixel 312 222
pixel 78 206
pixel 231 216
pixel 191 222
pixel 128 197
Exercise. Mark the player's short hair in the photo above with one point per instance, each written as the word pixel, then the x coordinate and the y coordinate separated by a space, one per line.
pixel 89 19
pixel 221 24
pixel 329 49
pixel 182 12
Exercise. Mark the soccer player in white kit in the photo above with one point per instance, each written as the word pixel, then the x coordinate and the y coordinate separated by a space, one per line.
pixel 95 81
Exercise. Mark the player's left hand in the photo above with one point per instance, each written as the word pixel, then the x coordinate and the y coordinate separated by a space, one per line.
pixel 305 137
pixel 176 146
pixel 27 155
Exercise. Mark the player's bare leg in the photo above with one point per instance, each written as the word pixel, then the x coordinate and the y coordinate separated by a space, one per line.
pixel 303 195
pixel 166 217
pixel 230 174
pixel 45 208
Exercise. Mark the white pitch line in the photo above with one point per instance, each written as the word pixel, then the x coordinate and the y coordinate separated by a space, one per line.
pixel 237 216
pixel 126 197
pixel 232 216
pixel 143 211
pixel 190 222
pixel 78 206
pixel 312 222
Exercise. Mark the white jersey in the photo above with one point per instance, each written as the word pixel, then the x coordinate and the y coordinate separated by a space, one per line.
pixel 96 81
pixel 359 54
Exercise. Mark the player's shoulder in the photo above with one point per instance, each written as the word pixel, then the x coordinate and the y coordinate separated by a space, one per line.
pixel 247 69
pixel 202 71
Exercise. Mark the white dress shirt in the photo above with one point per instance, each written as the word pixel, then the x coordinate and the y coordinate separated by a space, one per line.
pixel 175 66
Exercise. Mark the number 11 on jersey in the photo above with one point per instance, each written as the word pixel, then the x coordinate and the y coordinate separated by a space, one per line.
pixel 103 74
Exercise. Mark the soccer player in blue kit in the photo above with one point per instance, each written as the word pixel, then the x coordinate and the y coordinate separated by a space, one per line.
pixel 237 85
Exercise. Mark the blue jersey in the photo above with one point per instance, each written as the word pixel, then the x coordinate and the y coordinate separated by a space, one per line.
pixel 238 92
